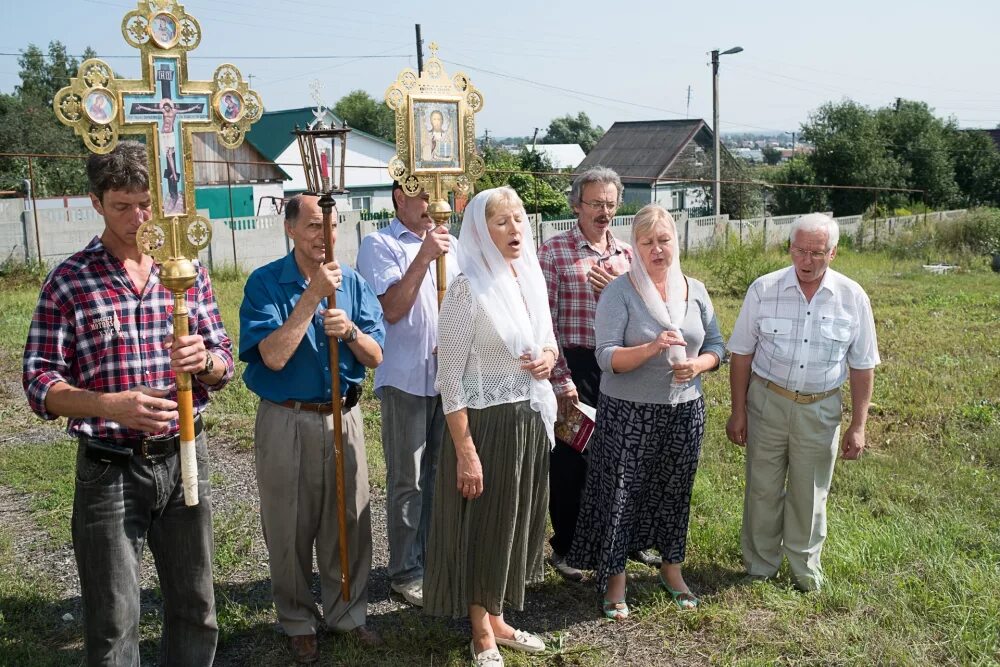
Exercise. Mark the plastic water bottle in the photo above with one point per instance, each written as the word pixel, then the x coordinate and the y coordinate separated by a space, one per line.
pixel 676 354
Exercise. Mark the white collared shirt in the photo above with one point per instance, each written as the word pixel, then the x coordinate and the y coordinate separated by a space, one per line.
pixel 806 346
pixel 409 363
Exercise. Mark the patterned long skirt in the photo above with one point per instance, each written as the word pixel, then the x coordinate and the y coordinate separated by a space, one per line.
pixel 643 459
pixel 484 551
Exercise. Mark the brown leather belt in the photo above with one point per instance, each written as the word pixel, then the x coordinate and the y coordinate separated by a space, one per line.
pixel 804 399
pixel 322 408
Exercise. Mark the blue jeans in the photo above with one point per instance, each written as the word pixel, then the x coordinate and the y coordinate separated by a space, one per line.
pixel 116 508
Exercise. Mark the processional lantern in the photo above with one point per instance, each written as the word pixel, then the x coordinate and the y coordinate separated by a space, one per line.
pixel 435 139
pixel 317 145
pixel 166 108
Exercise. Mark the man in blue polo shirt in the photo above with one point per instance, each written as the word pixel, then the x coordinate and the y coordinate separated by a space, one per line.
pixel 284 324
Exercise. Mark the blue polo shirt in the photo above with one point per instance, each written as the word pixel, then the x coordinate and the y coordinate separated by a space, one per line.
pixel 269 296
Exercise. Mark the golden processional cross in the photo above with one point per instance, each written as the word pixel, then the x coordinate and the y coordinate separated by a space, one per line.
pixel 435 139
pixel 167 109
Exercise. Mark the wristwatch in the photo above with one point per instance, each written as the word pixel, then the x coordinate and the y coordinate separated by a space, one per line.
pixel 209 366
pixel 352 335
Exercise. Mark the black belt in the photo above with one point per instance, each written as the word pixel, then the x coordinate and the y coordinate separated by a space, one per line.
pixel 149 447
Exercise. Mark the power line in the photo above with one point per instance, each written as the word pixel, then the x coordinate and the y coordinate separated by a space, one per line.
pixel 193 57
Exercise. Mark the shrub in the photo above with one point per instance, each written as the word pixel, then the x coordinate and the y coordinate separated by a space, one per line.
pixel 17 273
pixel 734 265
pixel 977 232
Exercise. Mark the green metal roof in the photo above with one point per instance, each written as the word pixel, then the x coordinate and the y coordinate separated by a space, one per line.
pixel 272 134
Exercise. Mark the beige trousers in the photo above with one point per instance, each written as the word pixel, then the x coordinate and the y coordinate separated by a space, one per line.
pixel 790 454
pixel 298 508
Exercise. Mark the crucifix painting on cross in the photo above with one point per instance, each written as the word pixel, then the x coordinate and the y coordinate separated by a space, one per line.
pixel 167 108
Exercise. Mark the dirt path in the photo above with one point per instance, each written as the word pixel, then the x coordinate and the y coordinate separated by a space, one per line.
pixel 564 610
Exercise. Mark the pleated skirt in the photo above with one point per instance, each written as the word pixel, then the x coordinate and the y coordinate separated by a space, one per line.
pixel 485 551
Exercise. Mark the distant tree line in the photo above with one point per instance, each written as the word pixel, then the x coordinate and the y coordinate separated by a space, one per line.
pixel 899 146
pixel 28 125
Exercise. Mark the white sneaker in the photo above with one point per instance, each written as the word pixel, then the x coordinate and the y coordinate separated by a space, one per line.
pixel 523 641
pixel 488 658
pixel 412 592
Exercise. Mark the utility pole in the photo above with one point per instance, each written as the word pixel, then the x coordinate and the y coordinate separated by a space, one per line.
pixel 420 51
pixel 250 77
pixel 688 114
pixel 715 125
pixel 534 139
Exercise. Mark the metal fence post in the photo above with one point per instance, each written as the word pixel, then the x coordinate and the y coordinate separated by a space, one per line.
pixel 687 234
pixel 232 222
pixel 34 211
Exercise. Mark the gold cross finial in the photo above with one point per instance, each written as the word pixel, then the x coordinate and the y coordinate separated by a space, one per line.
pixel 434 48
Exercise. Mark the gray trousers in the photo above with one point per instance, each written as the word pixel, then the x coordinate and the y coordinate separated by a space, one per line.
pixel 298 507
pixel 412 430
pixel 790 454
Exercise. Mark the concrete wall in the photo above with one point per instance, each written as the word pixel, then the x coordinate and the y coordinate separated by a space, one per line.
pixel 254 241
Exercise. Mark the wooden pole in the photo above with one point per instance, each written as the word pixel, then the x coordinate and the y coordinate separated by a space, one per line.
pixel 326 203
pixel 185 409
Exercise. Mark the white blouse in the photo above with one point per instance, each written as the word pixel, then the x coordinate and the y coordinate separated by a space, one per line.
pixel 475 369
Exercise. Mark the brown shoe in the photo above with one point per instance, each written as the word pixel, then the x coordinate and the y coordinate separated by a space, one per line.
pixel 366 636
pixel 304 648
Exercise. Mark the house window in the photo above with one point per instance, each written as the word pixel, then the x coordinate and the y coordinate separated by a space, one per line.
pixel 699 156
pixel 361 203
pixel 677 200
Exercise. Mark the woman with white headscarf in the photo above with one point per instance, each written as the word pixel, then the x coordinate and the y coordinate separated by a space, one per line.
pixel 656 333
pixel 495 352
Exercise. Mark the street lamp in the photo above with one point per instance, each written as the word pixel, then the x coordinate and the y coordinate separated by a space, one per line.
pixel 715 123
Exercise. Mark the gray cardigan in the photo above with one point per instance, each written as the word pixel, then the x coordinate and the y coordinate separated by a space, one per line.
pixel 622 320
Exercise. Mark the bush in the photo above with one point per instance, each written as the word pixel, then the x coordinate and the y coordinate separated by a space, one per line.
pixel 17 273
pixel 919 241
pixel 977 232
pixel 734 265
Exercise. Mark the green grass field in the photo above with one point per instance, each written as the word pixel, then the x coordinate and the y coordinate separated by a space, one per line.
pixel 913 555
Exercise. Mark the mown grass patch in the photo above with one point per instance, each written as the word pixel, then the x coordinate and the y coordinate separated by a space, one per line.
pixel 913 555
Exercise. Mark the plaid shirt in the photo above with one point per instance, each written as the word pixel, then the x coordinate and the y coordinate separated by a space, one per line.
pixel 566 259
pixel 92 331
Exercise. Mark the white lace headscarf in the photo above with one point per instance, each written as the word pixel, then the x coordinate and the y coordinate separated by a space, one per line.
pixel 509 301
pixel 670 313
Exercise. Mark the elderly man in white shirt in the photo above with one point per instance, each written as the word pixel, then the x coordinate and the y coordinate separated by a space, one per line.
pixel 398 262
pixel 801 333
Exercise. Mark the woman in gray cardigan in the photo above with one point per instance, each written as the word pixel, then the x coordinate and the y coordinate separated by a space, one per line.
pixel 656 334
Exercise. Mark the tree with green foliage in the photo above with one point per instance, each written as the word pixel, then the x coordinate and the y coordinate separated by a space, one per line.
pixel 919 142
pixel 29 125
pixel 363 112
pixel 850 149
pixel 977 167
pixel 787 200
pixel 573 130
pixel 771 155
pixel 540 194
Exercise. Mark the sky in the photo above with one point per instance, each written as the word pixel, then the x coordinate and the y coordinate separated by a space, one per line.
pixel 534 60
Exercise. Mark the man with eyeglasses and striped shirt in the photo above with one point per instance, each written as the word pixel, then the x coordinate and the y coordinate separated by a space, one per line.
pixel 577 265
pixel 801 333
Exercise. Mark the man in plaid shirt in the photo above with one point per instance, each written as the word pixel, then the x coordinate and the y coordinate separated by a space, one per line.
pixel 100 351
pixel 577 265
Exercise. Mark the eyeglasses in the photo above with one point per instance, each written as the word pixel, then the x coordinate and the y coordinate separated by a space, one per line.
pixel 817 255
pixel 601 205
